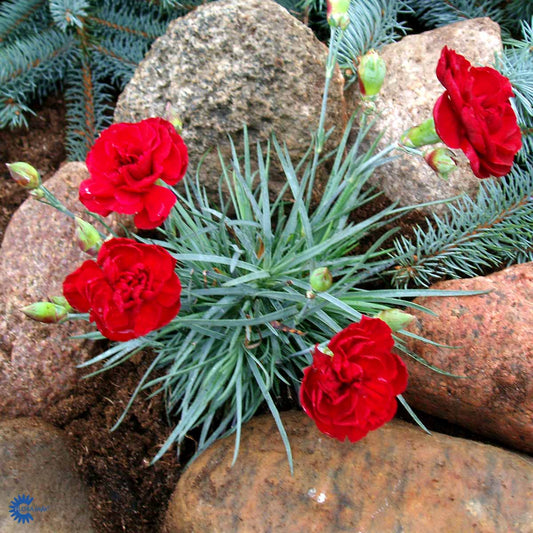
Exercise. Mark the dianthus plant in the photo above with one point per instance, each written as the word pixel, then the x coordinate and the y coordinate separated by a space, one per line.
pixel 249 318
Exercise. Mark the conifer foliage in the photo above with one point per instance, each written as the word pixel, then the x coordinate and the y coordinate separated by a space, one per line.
pixel 89 48
pixel 84 47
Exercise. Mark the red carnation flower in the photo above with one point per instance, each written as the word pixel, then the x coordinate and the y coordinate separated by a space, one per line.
pixel 475 115
pixel 125 163
pixel 354 390
pixel 130 290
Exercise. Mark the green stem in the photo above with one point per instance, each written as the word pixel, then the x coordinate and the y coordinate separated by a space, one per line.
pixel 51 200
pixel 320 134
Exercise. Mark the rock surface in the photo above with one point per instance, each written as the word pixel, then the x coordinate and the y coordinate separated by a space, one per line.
pixel 396 479
pixel 38 361
pixel 492 333
pixel 409 93
pixel 231 63
pixel 35 461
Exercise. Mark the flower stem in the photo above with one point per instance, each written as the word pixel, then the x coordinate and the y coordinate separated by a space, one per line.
pixel 333 51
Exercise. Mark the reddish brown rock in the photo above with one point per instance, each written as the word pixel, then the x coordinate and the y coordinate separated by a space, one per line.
pixel 395 479
pixel 492 333
pixel 38 362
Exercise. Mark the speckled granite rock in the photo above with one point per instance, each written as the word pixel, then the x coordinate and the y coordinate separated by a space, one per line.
pixel 35 461
pixel 396 479
pixel 38 361
pixel 407 98
pixel 492 333
pixel 230 63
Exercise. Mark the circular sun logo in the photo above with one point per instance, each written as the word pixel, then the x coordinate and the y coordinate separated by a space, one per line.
pixel 19 508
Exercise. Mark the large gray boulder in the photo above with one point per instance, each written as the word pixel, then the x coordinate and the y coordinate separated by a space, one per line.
pixel 231 63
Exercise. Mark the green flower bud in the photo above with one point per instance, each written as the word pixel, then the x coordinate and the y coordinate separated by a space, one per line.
pixel 338 13
pixel 62 302
pixel 371 72
pixel 395 318
pixel 421 135
pixel 172 116
pixel 46 312
pixel 87 237
pixel 321 279
pixel 25 175
pixel 441 160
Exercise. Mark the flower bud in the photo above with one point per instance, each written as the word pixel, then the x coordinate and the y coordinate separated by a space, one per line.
pixel 172 116
pixel 46 312
pixel 325 350
pixel 25 175
pixel 321 279
pixel 395 318
pixel 421 135
pixel 338 13
pixel 62 302
pixel 87 237
pixel 441 160
pixel 371 72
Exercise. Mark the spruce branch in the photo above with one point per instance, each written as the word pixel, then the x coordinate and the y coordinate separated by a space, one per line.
pixel 442 12
pixel 13 14
pixel 495 229
pixel 516 63
pixel 67 13
pixel 374 23
pixel 31 68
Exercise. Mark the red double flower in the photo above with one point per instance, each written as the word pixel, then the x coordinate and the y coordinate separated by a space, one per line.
pixel 475 115
pixel 125 164
pixel 130 290
pixel 351 388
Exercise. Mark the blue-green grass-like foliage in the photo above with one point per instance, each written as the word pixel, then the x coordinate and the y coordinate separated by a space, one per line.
pixel 88 48
pixel 248 320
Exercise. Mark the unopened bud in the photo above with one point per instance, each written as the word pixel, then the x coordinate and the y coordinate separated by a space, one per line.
pixel 371 72
pixel 325 350
pixel 25 175
pixel 46 312
pixel 38 193
pixel 338 13
pixel 321 279
pixel 87 237
pixel 441 160
pixel 395 318
pixel 172 116
pixel 62 302
pixel 421 135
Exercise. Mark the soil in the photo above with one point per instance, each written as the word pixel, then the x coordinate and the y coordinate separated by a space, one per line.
pixel 126 492
pixel 41 144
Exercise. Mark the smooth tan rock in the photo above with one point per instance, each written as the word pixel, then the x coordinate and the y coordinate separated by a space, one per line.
pixel 494 350
pixel 35 461
pixel 38 361
pixel 409 93
pixel 396 479
pixel 231 63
